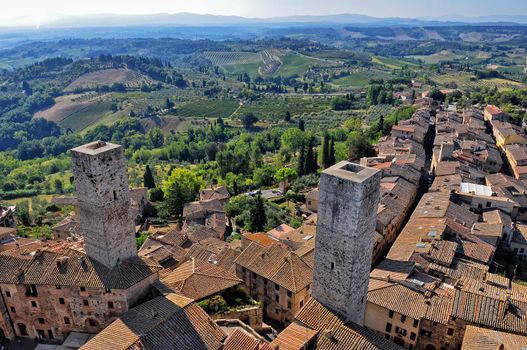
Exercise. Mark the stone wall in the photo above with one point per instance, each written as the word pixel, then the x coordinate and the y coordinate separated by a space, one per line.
pixel 251 316
pixel 101 183
pixel 347 212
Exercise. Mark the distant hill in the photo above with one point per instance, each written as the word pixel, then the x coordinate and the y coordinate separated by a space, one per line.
pixel 191 19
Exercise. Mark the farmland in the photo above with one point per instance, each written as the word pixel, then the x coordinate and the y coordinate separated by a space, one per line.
pixel 222 58
pixel 208 108
pixel 275 108
pixel 467 81
pixel 128 77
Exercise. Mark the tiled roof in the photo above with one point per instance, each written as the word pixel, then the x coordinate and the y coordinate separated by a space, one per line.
pixel 493 109
pixel 262 239
pixel 508 314
pixel 220 193
pixel 73 268
pixel 241 340
pixel 476 338
pixel 166 322
pixel 277 264
pixel 323 329
pixel 197 279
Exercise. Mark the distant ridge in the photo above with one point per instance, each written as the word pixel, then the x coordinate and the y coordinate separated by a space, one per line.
pixel 191 19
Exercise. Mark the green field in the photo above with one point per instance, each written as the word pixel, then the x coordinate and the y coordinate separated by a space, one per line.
pixel 293 63
pixel 208 109
pixel 393 63
pixel 466 81
pixel 354 80
pixel 82 119
pixel 274 109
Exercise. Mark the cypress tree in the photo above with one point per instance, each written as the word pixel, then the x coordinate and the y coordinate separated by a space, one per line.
pixel 148 178
pixel 301 170
pixel 325 151
pixel 311 161
pixel 301 125
pixel 331 155
pixel 258 217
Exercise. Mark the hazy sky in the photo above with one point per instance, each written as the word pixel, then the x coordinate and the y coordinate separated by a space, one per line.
pixel 42 9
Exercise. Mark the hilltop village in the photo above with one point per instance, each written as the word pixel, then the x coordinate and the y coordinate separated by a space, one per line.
pixel 418 247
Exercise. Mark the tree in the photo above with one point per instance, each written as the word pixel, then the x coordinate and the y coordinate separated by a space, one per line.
pixel 301 125
pixel 331 156
pixel 248 120
pixel 59 187
pixel 325 151
pixel 293 139
pixel 311 165
pixel 182 186
pixel 380 123
pixel 155 137
pixel 285 174
pixel 301 165
pixel 359 147
pixel 169 104
pixel 148 178
pixel 287 117
pixel 437 95
pixel 258 216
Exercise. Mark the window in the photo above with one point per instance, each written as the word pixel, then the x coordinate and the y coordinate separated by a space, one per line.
pixel 301 303
pixel 33 304
pixel 454 318
pixel 22 328
pixel 416 323
pixel 413 336
pixel 289 305
pixel 277 298
pixel 50 334
pixel 110 305
pixel 276 311
pixel 332 266
pixel 114 195
pixel 61 301
pixel 13 309
pixel 41 320
pixel 387 336
pixel 289 294
pixel 66 320
pixel 388 327
pixel 92 322
pixel 426 333
pixel 31 291
pixel 390 314
pixel 488 204
pixel 435 323
pixel 85 303
pixel 450 331
pixel 108 290
pixel 400 331
pixel 403 318
pixel 254 275
pixel 8 293
pixel 58 287
pixel 83 289
pixel 276 287
pixel 307 288
pixel 410 346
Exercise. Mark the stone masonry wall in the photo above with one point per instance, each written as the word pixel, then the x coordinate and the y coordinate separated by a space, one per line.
pixel 349 196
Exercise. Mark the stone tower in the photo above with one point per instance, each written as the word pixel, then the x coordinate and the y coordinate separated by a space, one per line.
pixel 347 213
pixel 101 182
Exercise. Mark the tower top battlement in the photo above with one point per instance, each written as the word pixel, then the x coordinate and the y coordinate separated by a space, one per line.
pixel 95 148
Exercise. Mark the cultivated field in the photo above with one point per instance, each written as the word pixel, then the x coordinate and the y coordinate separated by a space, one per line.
pixel 222 58
pixel 128 77
pixel 208 108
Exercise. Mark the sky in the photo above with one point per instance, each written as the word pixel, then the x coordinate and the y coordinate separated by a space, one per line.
pixel 16 11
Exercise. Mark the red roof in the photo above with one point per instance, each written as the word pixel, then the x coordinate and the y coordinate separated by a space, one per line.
pixel 493 110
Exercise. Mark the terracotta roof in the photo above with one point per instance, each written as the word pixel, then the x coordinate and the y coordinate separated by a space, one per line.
pixel 197 279
pixel 277 264
pixel 262 239
pixel 326 330
pixel 493 110
pixel 508 314
pixel 476 338
pixel 280 231
pixel 219 193
pixel 166 322
pixel 72 268
pixel 241 340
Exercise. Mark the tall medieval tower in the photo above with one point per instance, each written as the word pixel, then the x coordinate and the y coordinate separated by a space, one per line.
pixel 347 212
pixel 101 182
